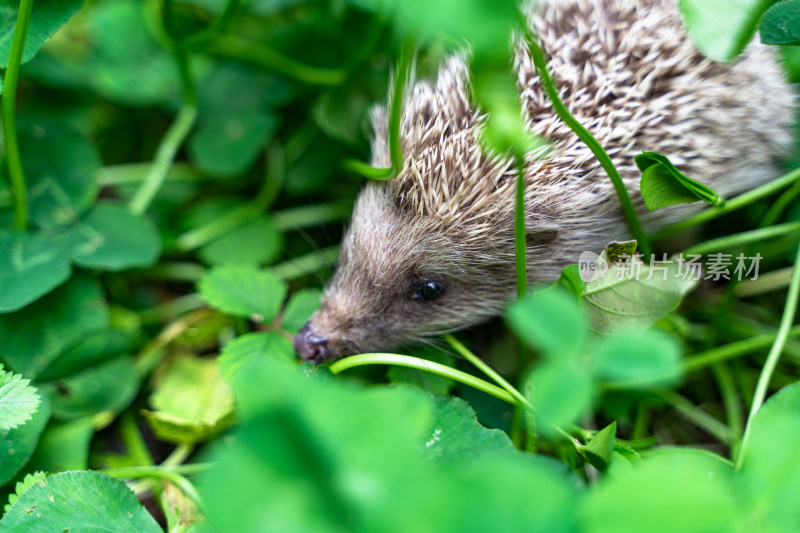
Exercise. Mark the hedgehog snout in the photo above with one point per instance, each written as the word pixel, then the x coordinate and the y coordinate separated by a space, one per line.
pixel 311 347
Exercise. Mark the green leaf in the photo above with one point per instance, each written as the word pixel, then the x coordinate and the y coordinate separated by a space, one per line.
pixel 191 402
pixel 92 349
pixel 598 450
pixel 259 241
pixel 296 461
pixel 126 65
pixel 495 493
pixel 30 267
pixel 561 392
pixel 620 251
pixel 63 447
pixel 622 297
pixel 18 401
pixel 37 478
pixel 244 290
pixel 662 184
pixel 457 435
pixel 301 306
pixel 240 353
pixel 675 490
pixel 550 321
pixel 46 19
pixel 341 112
pixel 781 24
pixel 29 343
pixel 721 29
pixel 17 445
pixel 79 501
pixel 638 360
pixel 570 281
pixel 112 238
pixel 769 479
pixel 109 386
pixel 228 145
pixel 60 167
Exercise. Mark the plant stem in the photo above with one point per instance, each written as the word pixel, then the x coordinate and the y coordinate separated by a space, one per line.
pixel 394 127
pixel 789 311
pixel 137 472
pixel 740 239
pixel 779 206
pixel 519 230
pixel 486 369
pixel 731 205
pixel 178 130
pixel 221 21
pixel 421 364
pixel 263 56
pixel 605 161
pixel 130 173
pixel 368 171
pixel 730 399
pixel 273 180
pixel 698 417
pixel 396 106
pixel 310 215
pixel 16 173
pixel 734 349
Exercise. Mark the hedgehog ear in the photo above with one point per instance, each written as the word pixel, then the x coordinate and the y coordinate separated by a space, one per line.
pixel 540 234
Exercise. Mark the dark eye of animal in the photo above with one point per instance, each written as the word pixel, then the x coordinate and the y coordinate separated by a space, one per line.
pixel 426 289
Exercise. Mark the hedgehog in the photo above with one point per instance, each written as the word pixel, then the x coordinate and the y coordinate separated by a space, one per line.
pixel 432 251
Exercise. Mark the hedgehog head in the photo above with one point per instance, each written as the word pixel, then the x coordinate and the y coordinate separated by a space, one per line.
pixel 430 251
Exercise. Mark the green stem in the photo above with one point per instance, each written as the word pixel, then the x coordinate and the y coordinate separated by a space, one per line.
pixel 789 311
pixel 157 472
pixel 394 127
pixel 780 205
pixel 263 56
pixel 205 35
pixel 273 180
pixel 311 215
pixel 740 239
pixel 421 364
pixel 307 264
pixel 605 161
pixel 486 369
pixel 396 107
pixel 731 205
pixel 178 130
pixel 730 399
pixel 768 282
pixel 16 173
pixel 136 172
pixel 698 417
pixel 368 171
pixel 732 350
pixel 166 153
pixel 519 230
pixel 135 445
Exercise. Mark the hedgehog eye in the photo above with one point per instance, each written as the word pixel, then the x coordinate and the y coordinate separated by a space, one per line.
pixel 426 289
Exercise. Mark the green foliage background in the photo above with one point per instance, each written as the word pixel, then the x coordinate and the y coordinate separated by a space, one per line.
pixel 188 168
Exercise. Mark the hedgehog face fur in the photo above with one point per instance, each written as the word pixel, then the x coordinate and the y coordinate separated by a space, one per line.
pixel 433 250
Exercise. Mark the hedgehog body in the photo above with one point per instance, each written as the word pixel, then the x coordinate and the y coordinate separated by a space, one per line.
pixel 433 250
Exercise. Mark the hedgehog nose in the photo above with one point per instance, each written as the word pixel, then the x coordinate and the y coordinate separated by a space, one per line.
pixel 310 347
